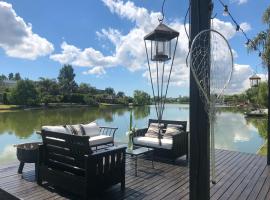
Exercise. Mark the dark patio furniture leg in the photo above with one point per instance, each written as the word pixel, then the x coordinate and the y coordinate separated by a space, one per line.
pixel 153 159
pixel 36 170
pixel 20 167
pixel 136 165
pixel 123 185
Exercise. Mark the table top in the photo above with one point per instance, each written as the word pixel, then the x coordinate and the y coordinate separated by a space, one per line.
pixel 139 151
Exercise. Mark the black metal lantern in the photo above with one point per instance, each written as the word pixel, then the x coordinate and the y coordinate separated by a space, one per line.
pixel 160 46
pixel 160 39
pixel 254 80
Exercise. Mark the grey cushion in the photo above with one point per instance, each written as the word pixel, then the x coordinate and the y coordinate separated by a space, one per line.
pixel 76 129
pixel 173 129
pixel 153 130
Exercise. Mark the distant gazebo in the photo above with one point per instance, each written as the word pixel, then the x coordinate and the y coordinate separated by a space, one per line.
pixel 254 80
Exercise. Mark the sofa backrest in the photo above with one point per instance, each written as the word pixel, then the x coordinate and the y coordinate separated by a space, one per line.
pixel 65 152
pixel 166 122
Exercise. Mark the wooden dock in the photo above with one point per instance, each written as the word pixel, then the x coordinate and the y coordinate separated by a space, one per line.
pixel 239 176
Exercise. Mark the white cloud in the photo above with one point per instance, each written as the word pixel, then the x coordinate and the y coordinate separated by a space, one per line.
pixel 239 2
pixel 17 38
pixel 129 50
pixel 87 57
pixel 240 79
pixel 99 71
pixel 245 26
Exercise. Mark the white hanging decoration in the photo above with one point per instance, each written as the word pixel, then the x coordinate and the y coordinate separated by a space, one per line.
pixel 211 63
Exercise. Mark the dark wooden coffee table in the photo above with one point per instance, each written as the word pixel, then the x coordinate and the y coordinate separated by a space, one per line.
pixel 135 153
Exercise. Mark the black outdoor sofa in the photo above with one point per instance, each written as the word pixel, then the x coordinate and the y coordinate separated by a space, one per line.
pixel 177 147
pixel 67 162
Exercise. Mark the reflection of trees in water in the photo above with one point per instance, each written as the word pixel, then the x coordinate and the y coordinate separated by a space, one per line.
pixel 141 111
pixel 260 124
pixel 231 109
pixel 183 108
pixel 23 123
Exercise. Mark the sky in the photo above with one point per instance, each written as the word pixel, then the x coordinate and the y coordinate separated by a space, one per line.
pixel 103 40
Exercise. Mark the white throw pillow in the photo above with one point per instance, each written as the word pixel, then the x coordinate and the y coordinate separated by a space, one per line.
pixel 91 129
pixel 57 129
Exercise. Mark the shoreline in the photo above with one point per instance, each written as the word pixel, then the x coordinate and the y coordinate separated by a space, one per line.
pixel 4 108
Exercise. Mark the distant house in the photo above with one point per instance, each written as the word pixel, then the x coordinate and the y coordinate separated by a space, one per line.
pixel 8 83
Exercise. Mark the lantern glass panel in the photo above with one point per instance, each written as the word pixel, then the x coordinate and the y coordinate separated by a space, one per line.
pixel 160 50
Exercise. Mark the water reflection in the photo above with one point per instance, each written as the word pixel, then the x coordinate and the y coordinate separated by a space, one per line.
pixel 233 131
pixel 22 123
pixel 260 124
pixel 141 112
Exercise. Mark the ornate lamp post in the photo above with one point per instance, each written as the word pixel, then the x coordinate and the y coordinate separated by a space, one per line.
pixel 160 46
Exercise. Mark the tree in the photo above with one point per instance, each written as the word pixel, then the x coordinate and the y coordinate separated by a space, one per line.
pixel 10 76
pixel 120 94
pixel 3 77
pixel 66 80
pixel 85 88
pixel 262 94
pixel 251 95
pixel 141 98
pixel 24 93
pixel 48 89
pixel 17 77
pixel 109 91
pixel 5 98
pixel 262 41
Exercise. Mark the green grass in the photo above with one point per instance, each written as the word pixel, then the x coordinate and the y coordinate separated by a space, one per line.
pixel 8 107
pixel 263 150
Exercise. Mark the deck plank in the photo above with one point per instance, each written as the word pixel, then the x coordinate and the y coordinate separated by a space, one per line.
pixel 239 176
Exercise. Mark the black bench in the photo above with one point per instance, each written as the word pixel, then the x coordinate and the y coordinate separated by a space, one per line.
pixel 179 145
pixel 68 162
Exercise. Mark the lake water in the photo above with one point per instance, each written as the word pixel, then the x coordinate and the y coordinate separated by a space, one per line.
pixel 233 131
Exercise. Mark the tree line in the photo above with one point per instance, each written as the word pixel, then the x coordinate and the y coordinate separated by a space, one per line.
pixel 64 89
pixel 254 96
pixel 11 77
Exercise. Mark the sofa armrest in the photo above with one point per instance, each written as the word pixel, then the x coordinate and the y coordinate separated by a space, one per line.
pixel 105 130
pixel 41 155
pixel 140 132
pixel 108 151
pixel 180 143
pixel 104 161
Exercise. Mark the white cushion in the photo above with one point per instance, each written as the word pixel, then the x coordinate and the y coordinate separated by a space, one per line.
pixel 166 143
pixel 100 139
pixel 91 129
pixel 57 129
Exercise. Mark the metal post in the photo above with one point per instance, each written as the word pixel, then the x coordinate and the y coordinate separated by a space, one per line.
pixel 199 125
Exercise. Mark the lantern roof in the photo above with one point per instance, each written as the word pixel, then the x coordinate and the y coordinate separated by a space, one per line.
pixel 162 33
pixel 254 77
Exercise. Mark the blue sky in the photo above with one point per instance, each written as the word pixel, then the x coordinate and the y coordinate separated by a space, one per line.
pixel 102 39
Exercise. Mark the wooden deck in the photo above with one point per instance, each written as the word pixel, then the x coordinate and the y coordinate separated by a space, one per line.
pixel 239 176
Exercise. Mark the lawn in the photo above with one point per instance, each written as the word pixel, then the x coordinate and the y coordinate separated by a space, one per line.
pixel 263 150
pixel 8 107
